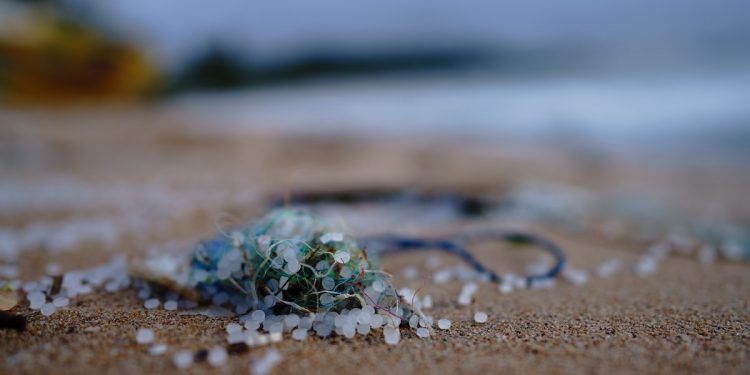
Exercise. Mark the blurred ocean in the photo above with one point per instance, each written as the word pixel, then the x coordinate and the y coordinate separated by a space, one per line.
pixel 707 118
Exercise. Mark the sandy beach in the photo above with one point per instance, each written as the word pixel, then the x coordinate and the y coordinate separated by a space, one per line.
pixel 172 184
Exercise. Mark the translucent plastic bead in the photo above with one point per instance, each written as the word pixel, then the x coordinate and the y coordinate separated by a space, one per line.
pixel 363 329
pixel 444 324
pixel 299 334
pixel 233 327
pixel 151 303
pixel 48 309
pixel 183 359
pixel 144 336
pixel 170 305
pixel 328 283
pixel 326 299
pixel 480 317
pixel 157 349
pixel 217 356
pixel 258 315
pixel 391 335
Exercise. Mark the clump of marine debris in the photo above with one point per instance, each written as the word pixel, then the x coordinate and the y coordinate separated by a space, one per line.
pixel 289 271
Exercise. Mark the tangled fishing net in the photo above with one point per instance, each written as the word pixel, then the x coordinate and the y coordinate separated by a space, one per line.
pixel 291 261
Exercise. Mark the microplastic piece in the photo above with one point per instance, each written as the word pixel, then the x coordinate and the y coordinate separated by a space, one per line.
pixel 170 305
pixel 151 303
pixel 480 317
pixel 392 335
pixel 48 309
pixel 157 349
pixel 444 324
pixel 299 334
pixel 217 356
pixel 265 364
pixel 183 359
pixel 144 336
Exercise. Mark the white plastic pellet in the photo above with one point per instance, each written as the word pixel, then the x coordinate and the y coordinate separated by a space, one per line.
pixel 157 349
pixel 392 335
pixel 506 287
pixel 183 359
pixel 292 267
pixel 151 303
pixel 364 317
pixel 275 327
pixel 464 299
pixel 48 309
pixel 480 317
pixel 144 336
pixel 60 302
pixel 444 324
pixel 341 257
pixel 275 336
pixel 38 297
pixel 443 276
pixel 349 331
pixel 170 305
pixel 414 321
pixel 252 325
pixel 233 327
pixel 217 356
pixel 299 334
pixel 646 266
pixel 291 321
pixel 608 268
pixel 326 299
pixel 258 315
pixel 411 273
pixel 423 332
pixel 36 300
pixel 328 283
pixel 264 365
pixel 376 321
pixel 363 329
pixel 467 292
pixel 575 276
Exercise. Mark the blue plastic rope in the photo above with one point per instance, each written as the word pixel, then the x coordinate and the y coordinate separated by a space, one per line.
pixel 388 245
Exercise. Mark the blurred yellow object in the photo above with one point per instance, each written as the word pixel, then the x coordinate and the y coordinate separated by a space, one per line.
pixel 58 61
pixel 8 299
